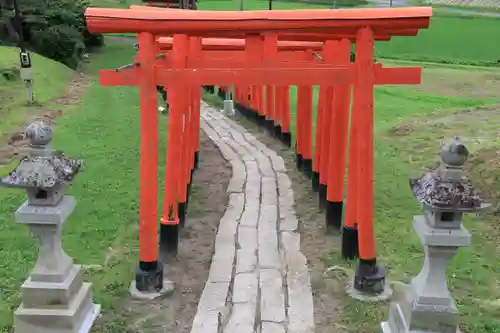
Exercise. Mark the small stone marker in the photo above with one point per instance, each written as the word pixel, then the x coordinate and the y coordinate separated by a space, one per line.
pixel 54 297
pixel 445 194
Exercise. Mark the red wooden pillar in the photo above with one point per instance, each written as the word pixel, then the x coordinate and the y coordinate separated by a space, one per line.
pixel 369 276
pixel 317 145
pixel 186 145
pixel 169 231
pixel 307 121
pixel 195 50
pixel 330 55
pixel 270 53
pixel 286 135
pixel 299 121
pixel 338 143
pixel 254 52
pixel 149 276
pixel 278 109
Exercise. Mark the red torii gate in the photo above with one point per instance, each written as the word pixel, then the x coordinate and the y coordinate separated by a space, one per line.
pixel 363 24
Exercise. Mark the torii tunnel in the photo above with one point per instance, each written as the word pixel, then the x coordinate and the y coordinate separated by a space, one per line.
pixel 271 50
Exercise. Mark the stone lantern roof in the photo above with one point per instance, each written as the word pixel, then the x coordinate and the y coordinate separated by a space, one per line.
pixel 42 168
pixel 447 188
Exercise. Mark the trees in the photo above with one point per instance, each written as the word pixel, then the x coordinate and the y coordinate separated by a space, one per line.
pixel 54 28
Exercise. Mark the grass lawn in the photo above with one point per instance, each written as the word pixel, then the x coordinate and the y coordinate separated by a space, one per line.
pixel 50 80
pixel 468 8
pixel 450 39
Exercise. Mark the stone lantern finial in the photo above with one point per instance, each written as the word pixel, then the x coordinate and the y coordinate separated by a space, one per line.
pixel 39 134
pixel 454 154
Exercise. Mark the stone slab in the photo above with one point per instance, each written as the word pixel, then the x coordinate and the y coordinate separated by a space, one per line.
pixel 247 238
pixel 246 261
pixel 269 191
pixel 242 318
pixel 269 327
pixel 272 303
pixel 245 288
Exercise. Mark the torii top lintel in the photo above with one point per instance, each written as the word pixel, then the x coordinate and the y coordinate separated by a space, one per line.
pixel 163 22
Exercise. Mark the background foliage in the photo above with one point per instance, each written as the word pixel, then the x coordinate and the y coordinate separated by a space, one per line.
pixel 53 28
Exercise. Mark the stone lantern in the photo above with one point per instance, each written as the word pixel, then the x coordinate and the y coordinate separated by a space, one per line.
pixel 445 194
pixel 54 297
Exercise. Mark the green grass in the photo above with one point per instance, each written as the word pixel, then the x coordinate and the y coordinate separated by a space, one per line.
pixel 468 8
pixel 107 193
pixel 449 40
pixel 50 80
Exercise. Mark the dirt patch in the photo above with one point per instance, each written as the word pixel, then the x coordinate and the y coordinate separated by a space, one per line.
pixel 315 244
pixel 189 271
pixel 13 144
pixel 460 83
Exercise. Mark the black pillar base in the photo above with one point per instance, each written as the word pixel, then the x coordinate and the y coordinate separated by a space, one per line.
pixel 188 191
pixel 196 159
pixel 270 126
pixel 245 111
pixel 299 161
pixel 322 189
pixel 286 138
pixel 169 239
pixel 261 120
pixel 277 131
pixel 255 116
pixel 315 181
pixel 182 209
pixel 307 167
pixel 334 215
pixel 369 278
pixel 349 243
pixel 250 114
pixel 149 276
pixel 238 107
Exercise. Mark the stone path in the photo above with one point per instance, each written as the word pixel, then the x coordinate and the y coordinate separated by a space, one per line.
pixel 259 280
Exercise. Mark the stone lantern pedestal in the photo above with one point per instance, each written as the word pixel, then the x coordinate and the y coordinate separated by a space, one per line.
pixel 427 305
pixel 54 297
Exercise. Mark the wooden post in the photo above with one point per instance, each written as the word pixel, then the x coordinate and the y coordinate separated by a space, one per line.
pixel 195 49
pixel 369 276
pixel 318 142
pixel 338 143
pixel 330 56
pixel 286 135
pixel 149 276
pixel 169 229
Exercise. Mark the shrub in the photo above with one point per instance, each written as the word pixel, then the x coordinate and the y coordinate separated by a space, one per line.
pixel 56 28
